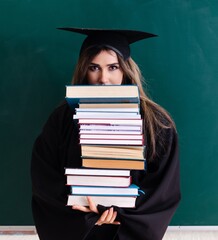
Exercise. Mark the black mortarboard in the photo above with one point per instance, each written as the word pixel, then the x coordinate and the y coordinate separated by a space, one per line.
pixel 117 40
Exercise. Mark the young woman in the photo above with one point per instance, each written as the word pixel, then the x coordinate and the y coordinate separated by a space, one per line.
pixel 105 59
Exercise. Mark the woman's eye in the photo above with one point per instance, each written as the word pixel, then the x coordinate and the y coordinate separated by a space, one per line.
pixel 113 67
pixel 93 68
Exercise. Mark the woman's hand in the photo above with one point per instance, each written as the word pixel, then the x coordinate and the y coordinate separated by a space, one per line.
pixel 107 217
pixel 91 208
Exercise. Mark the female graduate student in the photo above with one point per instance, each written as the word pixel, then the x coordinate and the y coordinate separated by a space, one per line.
pixel 105 59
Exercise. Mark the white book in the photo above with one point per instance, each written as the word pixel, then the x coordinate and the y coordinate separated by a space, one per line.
pixel 110 181
pixel 107 201
pixel 97 172
pixel 111 141
pixel 112 136
pixel 110 127
pixel 109 105
pixel 120 110
pixel 100 115
pixel 111 132
pixel 129 122
pixel 102 93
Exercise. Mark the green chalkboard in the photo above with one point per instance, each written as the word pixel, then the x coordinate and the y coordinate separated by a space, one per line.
pixel 180 67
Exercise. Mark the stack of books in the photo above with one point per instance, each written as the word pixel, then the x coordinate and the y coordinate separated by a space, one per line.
pixel 111 137
pixel 106 187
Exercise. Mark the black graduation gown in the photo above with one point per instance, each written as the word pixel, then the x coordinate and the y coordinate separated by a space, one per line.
pixel 57 147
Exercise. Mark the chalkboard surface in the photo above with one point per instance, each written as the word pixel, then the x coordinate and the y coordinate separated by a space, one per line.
pixel 180 67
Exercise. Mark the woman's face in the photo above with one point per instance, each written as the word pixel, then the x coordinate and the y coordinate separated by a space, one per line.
pixel 104 69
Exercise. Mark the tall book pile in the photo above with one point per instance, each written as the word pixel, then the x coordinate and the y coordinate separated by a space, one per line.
pixel 112 144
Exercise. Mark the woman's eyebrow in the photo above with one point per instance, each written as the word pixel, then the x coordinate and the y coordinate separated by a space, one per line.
pixel 94 64
pixel 109 64
pixel 116 63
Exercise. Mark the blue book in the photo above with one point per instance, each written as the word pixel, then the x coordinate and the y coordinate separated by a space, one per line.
pixel 132 190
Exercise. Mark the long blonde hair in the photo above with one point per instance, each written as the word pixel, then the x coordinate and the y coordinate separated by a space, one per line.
pixel 155 117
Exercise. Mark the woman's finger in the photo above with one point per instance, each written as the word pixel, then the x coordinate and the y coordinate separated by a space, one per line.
pixel 102 218
pixel 113 217
pixel 81 208
pixel 110 219
pixel 92 205
pixel 109 215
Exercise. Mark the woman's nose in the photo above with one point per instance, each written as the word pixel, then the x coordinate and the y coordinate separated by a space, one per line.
pixel 104 77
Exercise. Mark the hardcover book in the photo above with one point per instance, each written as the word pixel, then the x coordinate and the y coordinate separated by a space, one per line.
pixel 113 136
pixel 112 122
pixel 108 132
pixel 132 106
pixel 112 181
pixel 102 93
pixel 132 190
pixel 97 172
pixel 114 163
pixel 113 115
pixel 108 110
pixel 109 151
pixel 119 201
pixel 108 127
pixel 112 141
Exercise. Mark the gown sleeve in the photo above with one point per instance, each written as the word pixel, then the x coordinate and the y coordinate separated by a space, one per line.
pixel 155 208
pixel 161 184
pixel 54 149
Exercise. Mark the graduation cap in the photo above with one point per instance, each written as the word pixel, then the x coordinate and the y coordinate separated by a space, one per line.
pixel 117 40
